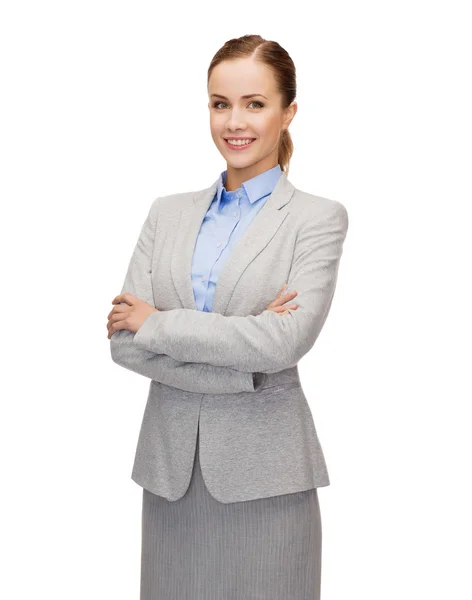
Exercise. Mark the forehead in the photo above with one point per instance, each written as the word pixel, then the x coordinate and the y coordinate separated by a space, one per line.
pixel 234 78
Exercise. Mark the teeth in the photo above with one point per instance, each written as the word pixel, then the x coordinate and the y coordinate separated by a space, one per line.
pixel 239 142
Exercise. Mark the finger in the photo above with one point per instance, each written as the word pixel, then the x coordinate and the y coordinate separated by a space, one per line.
pixel 119 308
pixel 117 326
pixel 281 309
pixel 116 318
pixel 282 299
pixel 290 294
pixel 283 288
pixel 126 297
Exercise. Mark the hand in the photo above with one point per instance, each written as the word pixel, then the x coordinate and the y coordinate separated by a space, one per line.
pixel 130 315
pixel 276 305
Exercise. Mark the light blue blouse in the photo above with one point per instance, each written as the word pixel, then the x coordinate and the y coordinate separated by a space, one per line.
pixel 226 220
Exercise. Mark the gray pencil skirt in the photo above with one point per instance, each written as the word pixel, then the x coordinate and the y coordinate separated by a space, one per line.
pixel 198 548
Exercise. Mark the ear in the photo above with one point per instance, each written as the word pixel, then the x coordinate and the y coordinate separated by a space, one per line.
pixel 290 112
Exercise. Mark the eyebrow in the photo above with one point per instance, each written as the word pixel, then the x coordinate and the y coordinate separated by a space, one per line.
pixel 243 97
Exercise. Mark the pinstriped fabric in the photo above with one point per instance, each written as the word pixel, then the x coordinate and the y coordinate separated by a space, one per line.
pixel 200 549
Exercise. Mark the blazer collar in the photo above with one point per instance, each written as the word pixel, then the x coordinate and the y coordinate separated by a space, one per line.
pixel 254 239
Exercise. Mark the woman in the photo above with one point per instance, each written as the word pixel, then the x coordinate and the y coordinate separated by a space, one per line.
pixel 228 455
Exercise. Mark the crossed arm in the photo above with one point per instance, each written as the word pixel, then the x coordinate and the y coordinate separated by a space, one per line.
pixel 264 343
pixel 212 353
pixel 192 376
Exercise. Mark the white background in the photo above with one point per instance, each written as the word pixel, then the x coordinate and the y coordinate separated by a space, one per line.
pixel 104 108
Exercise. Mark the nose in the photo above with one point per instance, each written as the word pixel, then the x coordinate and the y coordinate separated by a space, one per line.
pixel 235 121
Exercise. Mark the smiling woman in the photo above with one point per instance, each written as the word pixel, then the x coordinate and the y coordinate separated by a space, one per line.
pixel 250 129
pixel 228 454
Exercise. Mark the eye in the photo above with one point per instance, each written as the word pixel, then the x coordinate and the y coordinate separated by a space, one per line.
pixel 216 104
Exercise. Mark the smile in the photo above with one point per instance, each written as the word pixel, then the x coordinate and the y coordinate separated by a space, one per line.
pixel 239 145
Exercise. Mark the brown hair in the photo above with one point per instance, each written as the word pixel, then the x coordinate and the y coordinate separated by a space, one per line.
pixel 278 60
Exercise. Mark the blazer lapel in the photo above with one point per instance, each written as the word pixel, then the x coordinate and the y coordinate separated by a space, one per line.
pixel 254 239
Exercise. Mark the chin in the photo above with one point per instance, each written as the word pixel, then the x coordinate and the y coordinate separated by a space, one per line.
pixel 241 164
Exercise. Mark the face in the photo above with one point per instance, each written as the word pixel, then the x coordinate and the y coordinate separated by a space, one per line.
pixel 259 118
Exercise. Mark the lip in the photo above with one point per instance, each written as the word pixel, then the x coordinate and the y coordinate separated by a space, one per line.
pixel 239 148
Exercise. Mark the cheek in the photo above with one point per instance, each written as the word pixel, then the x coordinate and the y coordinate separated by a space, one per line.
pixel 216 128
pixel 216 122
pixel 267 127
pixel 215 131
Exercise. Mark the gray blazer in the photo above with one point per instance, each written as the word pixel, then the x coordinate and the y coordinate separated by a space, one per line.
pixel 231 372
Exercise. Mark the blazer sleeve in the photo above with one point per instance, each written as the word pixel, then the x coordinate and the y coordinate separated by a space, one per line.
pixel 268 342
pixel 185 375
